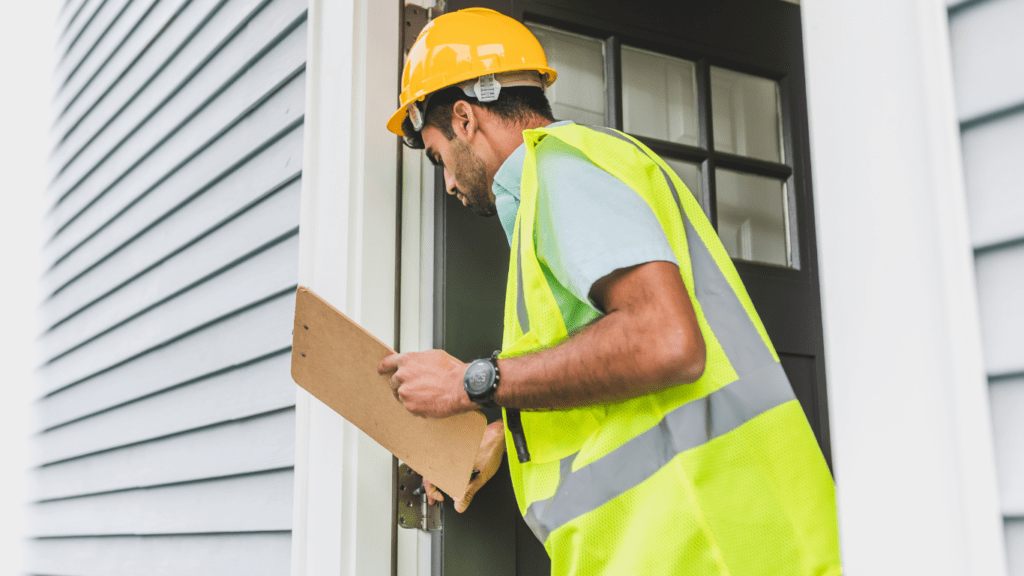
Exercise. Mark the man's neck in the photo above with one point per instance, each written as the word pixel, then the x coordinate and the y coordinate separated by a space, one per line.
pixel 513 137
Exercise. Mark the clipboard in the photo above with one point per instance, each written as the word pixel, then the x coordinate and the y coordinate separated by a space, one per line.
pixel 336 360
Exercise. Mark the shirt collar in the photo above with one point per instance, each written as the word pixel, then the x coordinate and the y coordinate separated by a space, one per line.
pixel 507 182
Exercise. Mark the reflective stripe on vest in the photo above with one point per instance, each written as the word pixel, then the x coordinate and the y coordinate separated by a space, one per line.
pixel 761 385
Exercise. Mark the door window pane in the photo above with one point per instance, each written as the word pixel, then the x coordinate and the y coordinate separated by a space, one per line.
pixel 690 175
pixel 578 94
pixel 659 96
pixel 753 217
pixel 746 115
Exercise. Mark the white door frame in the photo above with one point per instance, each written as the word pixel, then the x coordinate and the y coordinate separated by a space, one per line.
pixel 343 480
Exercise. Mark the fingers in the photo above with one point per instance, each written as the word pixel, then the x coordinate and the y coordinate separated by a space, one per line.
pixel 389 364
pixel 463 503
pixel 433 494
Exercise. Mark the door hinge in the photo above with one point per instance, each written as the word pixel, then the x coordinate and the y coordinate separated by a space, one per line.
pixel 414 19
pixel 413 509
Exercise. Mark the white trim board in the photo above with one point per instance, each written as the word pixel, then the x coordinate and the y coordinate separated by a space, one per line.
pixel 908 402
pixel 342 510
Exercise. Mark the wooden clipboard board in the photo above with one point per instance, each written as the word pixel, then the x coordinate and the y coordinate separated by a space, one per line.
pixel 336 360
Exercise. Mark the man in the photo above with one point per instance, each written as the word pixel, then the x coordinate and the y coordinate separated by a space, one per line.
pixel 653 429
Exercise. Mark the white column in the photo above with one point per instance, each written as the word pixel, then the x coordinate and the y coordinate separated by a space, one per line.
pixel 911 436
pixel 347 246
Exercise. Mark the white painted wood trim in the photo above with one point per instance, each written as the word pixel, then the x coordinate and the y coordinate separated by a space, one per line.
pixel 414 546
pixel 342 510
pixel 911 432
pixel 972 419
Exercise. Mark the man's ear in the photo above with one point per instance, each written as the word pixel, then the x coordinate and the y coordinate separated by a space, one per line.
pixel 465 120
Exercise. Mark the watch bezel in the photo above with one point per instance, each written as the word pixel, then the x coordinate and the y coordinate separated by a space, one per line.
pixel 471 370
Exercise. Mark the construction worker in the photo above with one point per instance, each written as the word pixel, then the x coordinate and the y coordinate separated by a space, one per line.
pixel 651 427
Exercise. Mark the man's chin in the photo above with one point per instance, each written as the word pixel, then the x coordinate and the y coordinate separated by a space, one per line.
pixel 485 211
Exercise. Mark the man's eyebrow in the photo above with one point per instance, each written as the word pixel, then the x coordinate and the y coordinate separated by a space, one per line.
pixel 431 156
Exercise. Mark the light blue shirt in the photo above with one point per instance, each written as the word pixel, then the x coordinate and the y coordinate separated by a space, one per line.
pixel 589 223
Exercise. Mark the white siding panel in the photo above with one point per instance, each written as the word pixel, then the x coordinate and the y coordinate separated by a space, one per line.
pixel 995 179
pixel 127 38
pixel 249 445
pixel 69 14
pixel 138 168
pixel 144 124
pixel 135 63
pixel 91 41
pixel 266 222
pixel 176 221
pixel 199 555
pixel 254 389
pixel 143 196
pixel 69 39
pixel 139 80
pixel 1000 280
pixel 256 502
pixel 265 274
pixel 1015 546
pixel 225 344
pixel 165 426
pixel 167 69
pixel 988 57
pixel 1007 407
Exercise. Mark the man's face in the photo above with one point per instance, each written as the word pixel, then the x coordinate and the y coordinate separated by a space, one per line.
pixel 465 174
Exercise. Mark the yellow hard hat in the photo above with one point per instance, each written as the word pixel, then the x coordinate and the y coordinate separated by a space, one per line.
pixel 475 43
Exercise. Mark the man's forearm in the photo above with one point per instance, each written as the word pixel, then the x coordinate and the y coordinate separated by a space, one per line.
pixel 649 340
pixel 619 356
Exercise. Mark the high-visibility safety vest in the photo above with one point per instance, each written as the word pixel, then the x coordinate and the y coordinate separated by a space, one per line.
pixel 718 477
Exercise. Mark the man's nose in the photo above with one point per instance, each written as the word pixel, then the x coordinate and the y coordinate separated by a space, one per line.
pixel 449 182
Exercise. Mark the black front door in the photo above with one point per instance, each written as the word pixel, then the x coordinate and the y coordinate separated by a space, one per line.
pixel 716 87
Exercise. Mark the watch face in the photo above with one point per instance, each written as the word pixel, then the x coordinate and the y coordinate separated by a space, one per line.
pixel 479 376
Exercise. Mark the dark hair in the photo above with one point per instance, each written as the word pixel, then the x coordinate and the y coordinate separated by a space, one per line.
pixel 514 105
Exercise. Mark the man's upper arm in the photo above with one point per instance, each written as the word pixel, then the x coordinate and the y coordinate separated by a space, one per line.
pixel 590 223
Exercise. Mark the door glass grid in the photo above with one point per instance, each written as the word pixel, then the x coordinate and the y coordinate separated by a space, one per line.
pixel 752 216
pixel 659 96
pixel 579 93
pixel 746 115
pixel 659 102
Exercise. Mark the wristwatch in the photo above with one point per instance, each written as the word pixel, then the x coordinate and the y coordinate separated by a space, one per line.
pixel 481 380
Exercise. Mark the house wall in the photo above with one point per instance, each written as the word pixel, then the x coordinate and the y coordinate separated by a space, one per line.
pixel 164 424
pixel 988 55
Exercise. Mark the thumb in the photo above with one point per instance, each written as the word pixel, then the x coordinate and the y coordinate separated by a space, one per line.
pixel 463 503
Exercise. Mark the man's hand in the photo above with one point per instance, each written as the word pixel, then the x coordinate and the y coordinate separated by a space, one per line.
pixel 427 383
pixel 488 459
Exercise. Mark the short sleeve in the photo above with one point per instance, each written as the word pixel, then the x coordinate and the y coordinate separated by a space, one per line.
pixel 590 223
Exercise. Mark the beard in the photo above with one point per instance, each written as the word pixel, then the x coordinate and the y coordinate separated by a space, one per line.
pixel 471 175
